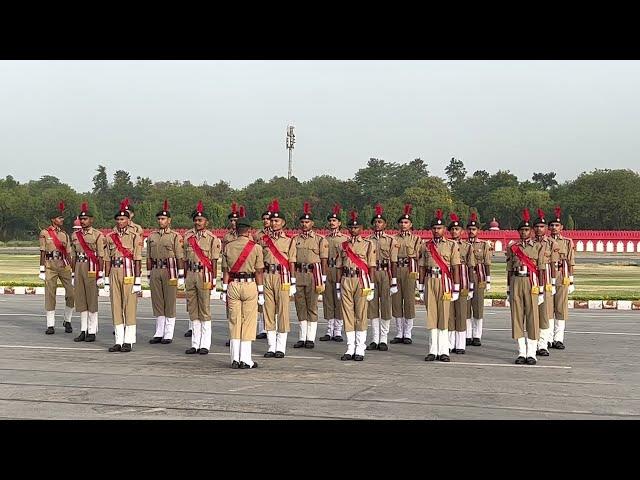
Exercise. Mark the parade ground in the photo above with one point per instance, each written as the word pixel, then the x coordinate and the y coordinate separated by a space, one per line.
pixel 52 377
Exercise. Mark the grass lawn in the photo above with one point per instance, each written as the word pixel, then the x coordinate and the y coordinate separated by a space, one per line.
pixel 592 280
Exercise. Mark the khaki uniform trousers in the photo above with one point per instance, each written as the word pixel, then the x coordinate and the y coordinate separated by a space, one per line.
pixel 524 309
pixel 458 314
pixel 85 290
pixel 437 308
pixel 561 300
pixel 475 307
pixel 404 302
pixel 123 300
pixel 198 303
pixel 55 270
pixel 330 304
pixel 354 305
pixel 545 311
pixel 242 300
pixel 276 302
pixel 306 298
pixel 163 295
pixel 380 306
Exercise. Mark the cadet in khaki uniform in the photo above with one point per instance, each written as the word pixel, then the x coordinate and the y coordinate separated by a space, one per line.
pixel 122 266
pixel 232 234
pixel 439 286
pixel 355 268
pixel 403 303
pixel 564 279
pixel 201 253
pixel 458 309
pixel 165 262
pixel 525 265
pixel 55 262
pixel 545 310
pixel 279 253
pixel 242 289
pixel 87 263
pixel 137 229
pixel 481 279
pixel 379 309
pixel 266 230
pixel 331 307
pixel 312 252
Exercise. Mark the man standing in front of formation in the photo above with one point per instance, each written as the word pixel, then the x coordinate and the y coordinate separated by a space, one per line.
pixel 88 246
pixel 165 264
pixel 122 267
pixel 404 302
pixel 481 279
pixel 379 309
pixel 266 230
pixel 312 251
pixel 439 286
pixel 458 310
pixel 243 291
pixel 55 262
pixel 331 307
pixel 525 266
pixel 548 281
pixel 564 279
pixel 356 266
pixel 201 253
pixel 231 235
pixel 279 253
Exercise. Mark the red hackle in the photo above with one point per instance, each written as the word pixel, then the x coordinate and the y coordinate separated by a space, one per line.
pixel 378 209
pixel 454 217
pixel 306 208
pixel 242 212
pixel 123 205
pixel 558 211
pixel 439 214
pixel 234 208
pixel 165 205
pixel 407 209
pixel 199 207
pixel 526 216
pixel 540 213
pixel 336 209
pixel 275 206
pixel 61 206
pixel 126 203
pixel 84 207
pixel 474 217
pixel 353 215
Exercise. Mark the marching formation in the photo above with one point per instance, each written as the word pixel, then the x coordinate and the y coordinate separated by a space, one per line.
pixel 361 280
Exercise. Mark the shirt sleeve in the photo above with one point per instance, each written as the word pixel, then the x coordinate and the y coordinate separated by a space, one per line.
pixel 293 251
pixel 259 258
pixel 339 261
pixel 471 258
pixel 100 246
pixel 43 240
pixel 394 250
pixel 137 247
pixel 149 246
pixel 455 254
pixel 224 258
pixel 178 245
pixel 488 253
pixel 571 251
pixel 324 248
pixel 371 254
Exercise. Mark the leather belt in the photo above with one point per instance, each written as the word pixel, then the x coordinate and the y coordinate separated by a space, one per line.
pixel 351 271
pixel 383 265
pixel 272 267
pixel 242 277
pixel 53 255
pixel 160 263
pixel 304 267
pixel 195 266
pixel 518 273
pixel 117 262
pixel 403 261
pixel 331 262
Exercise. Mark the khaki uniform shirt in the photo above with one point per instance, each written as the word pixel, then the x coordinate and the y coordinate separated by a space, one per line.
pixel 129 240
pixel 533 250
pixel 94 239
pixel 163 244
pixel 285 245
pixel 482 251
pixel 229 236
pixel 364 248
pixel 232 251
pixel 335 245
pixel 311 247
pixel 387 247
pixel 466 254
pixel 47 245
pixel 261 233
pixel 408 244
pixel 206 240
pixel 566 249
pixel 448 250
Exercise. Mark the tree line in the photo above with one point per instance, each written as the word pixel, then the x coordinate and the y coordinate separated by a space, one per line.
pixel 602 199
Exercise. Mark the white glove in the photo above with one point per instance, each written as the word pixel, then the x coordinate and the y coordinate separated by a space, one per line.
pixel 371 293
pixel 73 279
pixel 541 299
pixel 470 295
pixel 213 284
pixel 41 275
pixel 292 289
pixel 212 294
pixel 488 287
pixel 421 291
pixel 455 295
pixel 260 294
pixel 137 285
pixel 223 295
pixel 181 278
pixel 394 286
pixel 553 289
pixel 100 279
pixel 508 295
pixel 338 291
pixel 572 288
pixel 107 288
pixel 324 279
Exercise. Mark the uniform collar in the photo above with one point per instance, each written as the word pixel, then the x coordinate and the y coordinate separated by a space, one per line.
pixel 277 234
pixel 357 238
pixel 379 234
pixel 405 234
pixel 162 231
pixel 87 231
pixel 437 240
pixel 526 242
pixel 308 234
pixel 56 229
pixel 557 237
pixel 122 232
pixel 335 233
pixel 200 233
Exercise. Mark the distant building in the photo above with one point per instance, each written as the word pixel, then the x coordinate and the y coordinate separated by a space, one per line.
pixel 494 225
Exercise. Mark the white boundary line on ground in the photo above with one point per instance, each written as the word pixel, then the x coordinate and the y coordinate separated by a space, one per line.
pixel 500 365
pixel 53 348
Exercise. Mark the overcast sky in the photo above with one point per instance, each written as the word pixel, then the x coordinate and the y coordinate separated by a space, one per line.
pixel 212 120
